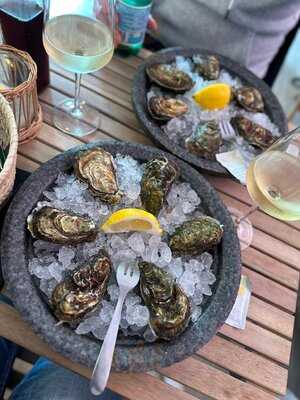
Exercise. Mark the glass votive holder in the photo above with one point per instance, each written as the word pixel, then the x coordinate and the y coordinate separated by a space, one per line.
pixel 18 74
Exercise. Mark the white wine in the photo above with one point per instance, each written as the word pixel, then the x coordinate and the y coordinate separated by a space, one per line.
pixel 77 43
pixel 273 182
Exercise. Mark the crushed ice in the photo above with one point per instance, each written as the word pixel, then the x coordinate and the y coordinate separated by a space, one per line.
pixel 52 262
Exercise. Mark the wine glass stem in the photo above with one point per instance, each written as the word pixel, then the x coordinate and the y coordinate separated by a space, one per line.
pixel 77 92
pixel 249 212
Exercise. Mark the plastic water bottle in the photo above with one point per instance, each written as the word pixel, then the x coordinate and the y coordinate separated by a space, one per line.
pixel 133 19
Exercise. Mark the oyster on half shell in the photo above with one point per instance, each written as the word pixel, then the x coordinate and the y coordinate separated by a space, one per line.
pixel 159 174
pixel 255 134
pixel 164 108
pixel 168 305
pixel 82 290
pixel 196 236
pixel 249 98
pixel 96 168
pixel 209 68
pixel 206 140
pixel 169 77
pixel 59 226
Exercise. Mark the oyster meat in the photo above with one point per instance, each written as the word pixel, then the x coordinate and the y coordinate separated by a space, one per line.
pixel 168 305
pixel 206 140
pixel 209 68
pixel 59 226
pixel 82 290
pixel 158 176
pixel 165 108
pixel 253 133
pixel 96 168
pixel 169 77
pixel 196 236
pixel 249 98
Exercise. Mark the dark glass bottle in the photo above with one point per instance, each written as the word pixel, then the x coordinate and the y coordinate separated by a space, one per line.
pixel 22 27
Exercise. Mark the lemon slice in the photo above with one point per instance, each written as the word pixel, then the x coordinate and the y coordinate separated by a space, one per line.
pixel 213 96
pixel 132 219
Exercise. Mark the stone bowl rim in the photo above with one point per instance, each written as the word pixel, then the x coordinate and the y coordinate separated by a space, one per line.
pixel 14 253
pixel 152 128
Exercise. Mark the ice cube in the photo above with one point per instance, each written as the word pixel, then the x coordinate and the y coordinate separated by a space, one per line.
pixel 65 256
pixel 206 259
pixel 88 325
pixel 149 335
pixel 176 267
pixel 113 291
pixel 136 242
pixel 196 312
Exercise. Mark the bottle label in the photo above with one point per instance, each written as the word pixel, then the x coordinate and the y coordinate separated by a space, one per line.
pixel 132 22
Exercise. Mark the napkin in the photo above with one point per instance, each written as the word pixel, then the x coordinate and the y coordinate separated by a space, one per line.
pixel 237 317
pixel 235 163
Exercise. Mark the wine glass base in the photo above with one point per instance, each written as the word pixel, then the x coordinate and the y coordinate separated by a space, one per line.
pixel 244 228
pixel 76 122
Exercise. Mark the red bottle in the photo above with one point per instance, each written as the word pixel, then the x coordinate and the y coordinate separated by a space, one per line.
pixel 22 27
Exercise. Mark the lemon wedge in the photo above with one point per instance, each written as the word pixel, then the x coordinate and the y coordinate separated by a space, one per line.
pixel 214 96
pixel 132 219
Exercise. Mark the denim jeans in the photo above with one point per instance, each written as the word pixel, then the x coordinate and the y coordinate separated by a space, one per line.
pixel 46 380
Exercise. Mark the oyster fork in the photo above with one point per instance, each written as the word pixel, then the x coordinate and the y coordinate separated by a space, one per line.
pixel 227 130
pixel 127 278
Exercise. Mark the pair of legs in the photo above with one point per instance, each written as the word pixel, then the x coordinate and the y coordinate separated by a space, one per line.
pixel 46 380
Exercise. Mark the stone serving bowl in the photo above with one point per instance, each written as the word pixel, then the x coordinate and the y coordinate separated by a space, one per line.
pixel 141 85
pixel 131 354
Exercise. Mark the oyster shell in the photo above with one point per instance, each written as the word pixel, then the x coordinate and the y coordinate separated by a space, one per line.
pixel 249 98
pixel 59 226
pixel 196 236
pixel 253 133
pixel 170 77
pixel 82 290
pixel 206 140
pixel 159 174
pixel 165 108
pixel 96 168
pixel 209 68
pixel 168 305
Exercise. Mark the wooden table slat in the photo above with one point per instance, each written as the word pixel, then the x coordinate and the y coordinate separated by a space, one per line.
pixel 26 164
pixel 108 126
pixel 246 363
pixel 213 382
pixel 261 340
pixel 270 267
pixel 271 317
pixel 100 87
pixel 271 291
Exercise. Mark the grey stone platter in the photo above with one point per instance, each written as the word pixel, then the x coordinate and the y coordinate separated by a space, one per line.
pixel 131 354
pixel 141 86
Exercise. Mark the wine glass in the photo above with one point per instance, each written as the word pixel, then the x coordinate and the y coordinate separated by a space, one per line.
pixel 273 182
pixel 78 35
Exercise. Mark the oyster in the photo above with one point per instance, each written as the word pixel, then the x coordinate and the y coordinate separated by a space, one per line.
pixel 206 140
pixel 168 305
pixel 249 98
pixel 159 174
pixel 253 133
pixel 209 68
pixel 96 167
pixel 165 108
pixel 170 77
pixel 59 226
pixel 196 236
pixel 81 291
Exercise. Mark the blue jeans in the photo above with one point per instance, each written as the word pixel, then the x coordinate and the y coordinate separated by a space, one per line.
pixel 46 380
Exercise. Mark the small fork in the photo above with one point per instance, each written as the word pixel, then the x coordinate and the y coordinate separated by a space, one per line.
pixel 227 130
pixel 127 278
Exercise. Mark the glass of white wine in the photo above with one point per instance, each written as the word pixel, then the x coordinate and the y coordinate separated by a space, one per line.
pixel 273 182
pixel 78 36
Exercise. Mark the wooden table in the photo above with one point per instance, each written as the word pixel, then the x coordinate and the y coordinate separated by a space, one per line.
pixel 236 364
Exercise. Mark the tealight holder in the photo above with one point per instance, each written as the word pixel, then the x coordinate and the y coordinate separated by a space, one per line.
pixel 18 74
